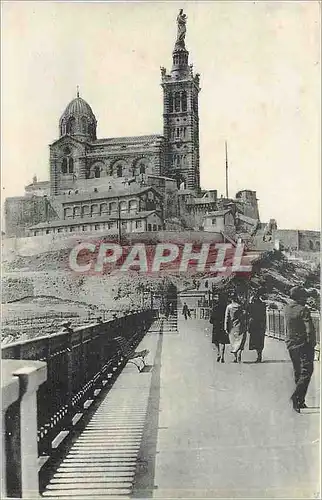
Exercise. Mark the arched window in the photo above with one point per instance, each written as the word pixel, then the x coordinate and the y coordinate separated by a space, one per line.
pixel 91 130
pixel 63 128
pixel 142 168
pixel 71 125
pixel 311 245
pixel 177 101
pixel 84 125
pixel 94 209
pixel 76 212
pixel 68 212
pixel 123 206
pixel 170 102
pixel 70 165
pixel 85 210
pixel 64 166
pixel 317 245
pixel 119 171
pixel 133 206
pixel 184 101
pixel 103 208
pixel 113 207
pixel 97 172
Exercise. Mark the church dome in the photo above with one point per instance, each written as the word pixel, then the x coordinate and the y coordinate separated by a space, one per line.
pixel 78 119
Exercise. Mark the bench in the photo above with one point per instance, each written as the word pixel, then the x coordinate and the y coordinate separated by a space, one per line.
pixel 317 352
pixel 130 354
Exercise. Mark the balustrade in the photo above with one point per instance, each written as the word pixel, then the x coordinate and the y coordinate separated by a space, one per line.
pixel 79 363
pixel 20 382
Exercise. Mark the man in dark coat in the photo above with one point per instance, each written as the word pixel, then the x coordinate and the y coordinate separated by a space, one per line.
pixel 300 341
pixel 185 311
pixel 217 318
pixel 257 325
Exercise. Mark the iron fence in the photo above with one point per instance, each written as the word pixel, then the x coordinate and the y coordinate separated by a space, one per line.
pixel 80 362
pixel 276 327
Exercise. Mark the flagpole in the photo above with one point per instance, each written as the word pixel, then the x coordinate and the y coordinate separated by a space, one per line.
pixel 226 169
pixel 119 219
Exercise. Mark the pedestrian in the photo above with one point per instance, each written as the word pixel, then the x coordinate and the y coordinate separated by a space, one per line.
pixel 185 311
pixel 167 310
pixel 257 325
pixel 235 326
pixel 217 319
pixel 300 341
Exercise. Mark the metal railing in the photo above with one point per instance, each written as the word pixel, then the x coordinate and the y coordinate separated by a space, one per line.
pixel 29 327
pixel 276 327
pixel 200 312
pixel 80 363
pixel 275 324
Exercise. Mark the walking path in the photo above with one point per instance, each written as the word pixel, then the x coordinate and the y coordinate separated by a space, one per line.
pixel 193 428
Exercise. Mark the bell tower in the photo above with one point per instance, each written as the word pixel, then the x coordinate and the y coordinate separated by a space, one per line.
pixel 180 114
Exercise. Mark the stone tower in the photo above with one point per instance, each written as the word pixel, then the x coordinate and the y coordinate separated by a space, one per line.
pixel 77 129
pixel 180 114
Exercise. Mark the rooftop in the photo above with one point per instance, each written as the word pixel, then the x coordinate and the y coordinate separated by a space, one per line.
pixel 201 201
pixel 102 195
pixel 129 140
pixel 185 191
pixel 218 213
pixel 92 220
pixel 78 107
pixel 38 184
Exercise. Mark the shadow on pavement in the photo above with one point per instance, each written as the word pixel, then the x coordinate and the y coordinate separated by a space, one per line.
pixel 145 470
pixel 265 361
pixel 310 410
pixel 146 368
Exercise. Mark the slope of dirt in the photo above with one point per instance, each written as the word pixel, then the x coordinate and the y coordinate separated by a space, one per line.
pixel 47 275
pixel 276 274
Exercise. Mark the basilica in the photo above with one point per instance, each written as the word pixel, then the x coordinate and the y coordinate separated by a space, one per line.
pixel 141 183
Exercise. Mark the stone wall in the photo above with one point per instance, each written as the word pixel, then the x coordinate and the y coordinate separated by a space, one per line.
pixel 289 238
pixel 309 241
pixel 22 212
pixel 249 203
pixel 293 239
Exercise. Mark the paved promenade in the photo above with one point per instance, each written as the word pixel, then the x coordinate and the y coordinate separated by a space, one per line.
pixel 189 427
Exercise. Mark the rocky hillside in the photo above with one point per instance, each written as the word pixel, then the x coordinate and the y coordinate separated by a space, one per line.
pixel 46 275
pixel 277 274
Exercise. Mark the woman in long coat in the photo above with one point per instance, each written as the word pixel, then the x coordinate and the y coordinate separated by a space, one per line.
pixel 217 318
pixel 257 325
pixel 235 326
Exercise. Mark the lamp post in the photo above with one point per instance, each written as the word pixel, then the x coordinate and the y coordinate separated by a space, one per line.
pixel 162 214
pixel 119 219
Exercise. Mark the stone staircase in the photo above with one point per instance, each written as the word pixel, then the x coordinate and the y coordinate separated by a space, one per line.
pixel 170 325
pixel 165 325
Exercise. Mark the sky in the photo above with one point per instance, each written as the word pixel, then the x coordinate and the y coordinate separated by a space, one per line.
pixel 260 89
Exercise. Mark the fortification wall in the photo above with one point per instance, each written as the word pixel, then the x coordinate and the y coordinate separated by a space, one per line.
pixel 293 239
pixel 22 212
pixel 309 241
